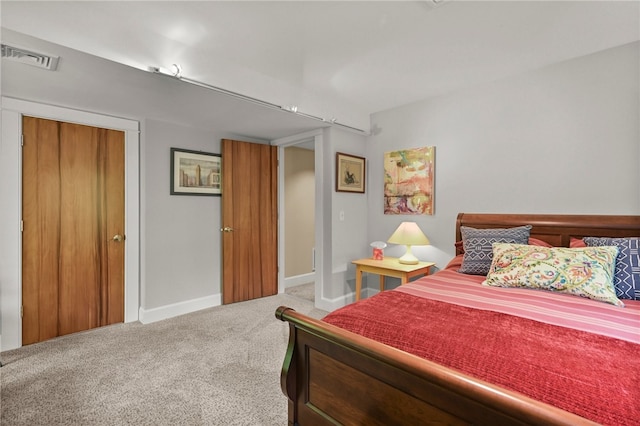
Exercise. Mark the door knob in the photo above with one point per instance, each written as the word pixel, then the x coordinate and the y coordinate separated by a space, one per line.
pixel 118 238
pixel 226 229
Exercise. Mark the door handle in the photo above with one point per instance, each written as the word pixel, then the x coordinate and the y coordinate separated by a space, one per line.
pixel 118 238
pixel 226 229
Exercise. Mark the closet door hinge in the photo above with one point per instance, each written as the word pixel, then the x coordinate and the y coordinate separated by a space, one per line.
pixel 22 226
pixel 21 140
pixel 21 311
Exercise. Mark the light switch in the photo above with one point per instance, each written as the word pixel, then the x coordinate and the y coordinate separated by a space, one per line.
pixel 341 215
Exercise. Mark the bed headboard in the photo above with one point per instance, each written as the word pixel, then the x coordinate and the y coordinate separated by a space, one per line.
pixel 556 229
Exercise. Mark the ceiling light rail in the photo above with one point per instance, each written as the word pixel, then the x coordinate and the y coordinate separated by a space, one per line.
pixel 176 72
pixel 231 93
pixel 312 116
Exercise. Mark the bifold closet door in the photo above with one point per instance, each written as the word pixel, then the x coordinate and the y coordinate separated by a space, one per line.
pixel 73 228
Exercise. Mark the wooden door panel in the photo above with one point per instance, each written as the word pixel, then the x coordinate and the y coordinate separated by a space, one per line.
pixel 227 241
pixel 268 216
pixel 40 196
pixel 79 274
pixel 113 296
pixel 249 200
pixel 73 203
pixel 243 219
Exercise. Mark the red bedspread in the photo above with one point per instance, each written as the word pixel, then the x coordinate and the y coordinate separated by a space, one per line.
pixel 594 376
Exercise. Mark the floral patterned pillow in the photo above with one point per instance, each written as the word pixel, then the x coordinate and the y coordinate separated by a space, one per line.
pixel 586 272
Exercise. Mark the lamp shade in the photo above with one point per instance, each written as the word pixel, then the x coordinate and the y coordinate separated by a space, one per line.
pixel 409 234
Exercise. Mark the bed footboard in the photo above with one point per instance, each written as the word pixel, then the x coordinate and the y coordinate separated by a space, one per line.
pixel 333 376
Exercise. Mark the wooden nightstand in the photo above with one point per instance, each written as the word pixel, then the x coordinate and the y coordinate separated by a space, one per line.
pixel 388 267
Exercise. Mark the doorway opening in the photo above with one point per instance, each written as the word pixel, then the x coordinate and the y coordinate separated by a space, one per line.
pixel 299 226
pixel 304 277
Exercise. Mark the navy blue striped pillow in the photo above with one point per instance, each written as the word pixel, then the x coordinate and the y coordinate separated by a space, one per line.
pixel 478 246
pixel 626 278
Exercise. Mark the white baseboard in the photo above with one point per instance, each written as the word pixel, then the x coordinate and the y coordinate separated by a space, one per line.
pixel 299 280
pixel 148 316
pixel 333 304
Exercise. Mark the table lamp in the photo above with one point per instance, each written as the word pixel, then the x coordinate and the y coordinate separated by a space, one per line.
pixel 409 234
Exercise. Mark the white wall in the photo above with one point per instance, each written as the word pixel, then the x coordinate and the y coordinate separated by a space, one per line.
pixel 562 139
pixel 349 236
pixel 181 237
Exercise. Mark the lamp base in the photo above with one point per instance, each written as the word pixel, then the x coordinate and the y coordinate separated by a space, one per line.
pixel 408 259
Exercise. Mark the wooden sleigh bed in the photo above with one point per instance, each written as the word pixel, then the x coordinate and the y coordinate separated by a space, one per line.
pixel 334 376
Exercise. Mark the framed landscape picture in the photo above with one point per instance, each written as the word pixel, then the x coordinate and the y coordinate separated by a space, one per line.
pixel 195 172
pixel 350 173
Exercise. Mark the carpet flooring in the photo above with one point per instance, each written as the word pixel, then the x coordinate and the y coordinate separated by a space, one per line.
pixel 305 291
pixel 218 366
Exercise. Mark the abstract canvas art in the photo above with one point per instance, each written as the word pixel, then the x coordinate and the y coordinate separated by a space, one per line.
pixel 408 181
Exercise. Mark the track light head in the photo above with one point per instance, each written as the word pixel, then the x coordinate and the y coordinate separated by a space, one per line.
pixel 175 70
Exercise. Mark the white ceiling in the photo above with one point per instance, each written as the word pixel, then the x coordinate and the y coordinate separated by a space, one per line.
pixel 333 59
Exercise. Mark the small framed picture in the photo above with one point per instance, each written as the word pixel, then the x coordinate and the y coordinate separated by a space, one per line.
pixel 350 173
pixel 195 172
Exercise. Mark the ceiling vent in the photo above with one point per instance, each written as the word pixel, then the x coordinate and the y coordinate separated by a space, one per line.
pixel 28 57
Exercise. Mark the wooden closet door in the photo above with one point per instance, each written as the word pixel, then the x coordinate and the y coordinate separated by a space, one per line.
pixel 73 206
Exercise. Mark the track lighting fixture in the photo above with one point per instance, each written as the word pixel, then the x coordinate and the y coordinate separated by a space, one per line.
pixel 175 71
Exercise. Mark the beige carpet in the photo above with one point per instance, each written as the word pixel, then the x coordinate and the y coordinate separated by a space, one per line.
pixel 305 291
pixel 219 366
